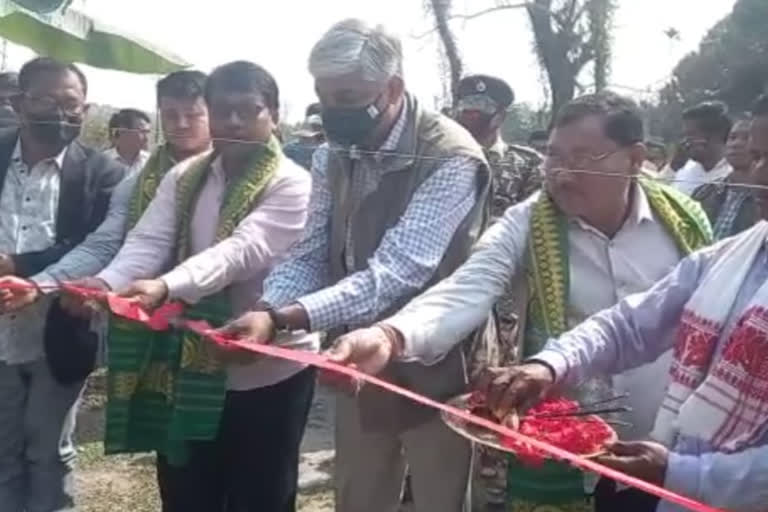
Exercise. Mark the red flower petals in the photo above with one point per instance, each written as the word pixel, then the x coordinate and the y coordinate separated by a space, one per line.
pixel 582 435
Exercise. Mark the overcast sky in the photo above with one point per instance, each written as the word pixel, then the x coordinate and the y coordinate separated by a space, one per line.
pixel 278 34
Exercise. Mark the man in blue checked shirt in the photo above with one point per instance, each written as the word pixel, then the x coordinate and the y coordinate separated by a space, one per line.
pixel 399 196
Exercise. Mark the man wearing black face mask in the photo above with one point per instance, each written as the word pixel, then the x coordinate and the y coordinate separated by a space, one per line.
pixel 482 107
pixel 53 192
pixel 399 196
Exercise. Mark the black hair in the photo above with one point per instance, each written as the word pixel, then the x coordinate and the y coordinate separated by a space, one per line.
pixel 711 117
pixel 760 106
pixel 538 135
pixel 127 119
pixel 244 76
pixel 9 80
pixel 622 122
pixel 313 109
pixel 36 67
pixel 186 84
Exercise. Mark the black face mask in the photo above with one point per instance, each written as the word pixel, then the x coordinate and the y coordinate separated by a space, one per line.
pixel 351 126
pixel 54 129
pixel 479 125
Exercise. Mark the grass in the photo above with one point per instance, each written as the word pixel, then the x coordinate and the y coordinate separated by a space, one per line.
pixel 127 483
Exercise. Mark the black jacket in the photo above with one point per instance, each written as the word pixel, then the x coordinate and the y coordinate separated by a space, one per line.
pixel 87 180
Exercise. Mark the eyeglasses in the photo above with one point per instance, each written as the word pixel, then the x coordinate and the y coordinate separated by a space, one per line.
pixel 49 104
pixel 575 161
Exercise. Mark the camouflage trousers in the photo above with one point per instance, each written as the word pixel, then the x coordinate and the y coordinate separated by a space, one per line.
pixel 489 479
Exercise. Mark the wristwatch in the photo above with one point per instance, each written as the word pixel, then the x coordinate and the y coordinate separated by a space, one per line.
pixel 279 323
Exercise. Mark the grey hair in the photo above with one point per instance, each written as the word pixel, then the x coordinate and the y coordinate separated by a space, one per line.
pixel 353 46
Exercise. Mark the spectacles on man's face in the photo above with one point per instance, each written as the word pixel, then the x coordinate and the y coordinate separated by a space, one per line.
pixel 70 107
pixel 581 160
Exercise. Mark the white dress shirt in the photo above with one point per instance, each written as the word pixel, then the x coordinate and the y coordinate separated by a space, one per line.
pixel 243 260
pixel 602 272
pixel 28 210
pixel 693 175
pixel 133 167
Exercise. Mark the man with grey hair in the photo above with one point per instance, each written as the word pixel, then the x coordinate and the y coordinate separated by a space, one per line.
pixel 399 196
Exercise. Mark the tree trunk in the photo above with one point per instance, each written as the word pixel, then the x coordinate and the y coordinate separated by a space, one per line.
pixel 552 54
pixel 600 30
pixel 442 12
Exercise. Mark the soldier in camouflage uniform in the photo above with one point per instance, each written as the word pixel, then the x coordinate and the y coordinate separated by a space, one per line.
pixel 483 102
pixel 482 107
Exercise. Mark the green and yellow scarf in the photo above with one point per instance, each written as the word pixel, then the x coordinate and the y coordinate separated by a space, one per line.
pixel 556 486
pixel 159 163
pixel 167 388
pixel 547 255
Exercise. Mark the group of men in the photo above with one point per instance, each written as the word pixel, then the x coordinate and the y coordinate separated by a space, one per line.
pixel 424 249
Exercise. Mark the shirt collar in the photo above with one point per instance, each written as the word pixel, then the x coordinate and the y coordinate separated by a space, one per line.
pixel 140 157
pixel 16 156
pixel 640 211
pixel 719 166
pixel 641 208
pixel 390 144
pixel 499 148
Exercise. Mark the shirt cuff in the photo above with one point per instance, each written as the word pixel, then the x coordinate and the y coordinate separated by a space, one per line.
pixel 115 280
pixel 320 307
pixel 682 474
pixel 555 360
pixel 274 299
pixel 414 346
pixel 45 282
pixel 180 285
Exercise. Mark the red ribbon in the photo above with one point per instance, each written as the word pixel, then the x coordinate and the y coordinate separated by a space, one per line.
pixel 321 361
pixel 170 313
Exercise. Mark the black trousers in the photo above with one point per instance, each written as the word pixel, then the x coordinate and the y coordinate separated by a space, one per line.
pixel 608 499
pixel 252 466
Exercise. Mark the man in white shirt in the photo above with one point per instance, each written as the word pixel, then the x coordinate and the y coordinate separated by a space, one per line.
pixel 217 224
pixel 586 242
pixel 129 132
pixel 705 129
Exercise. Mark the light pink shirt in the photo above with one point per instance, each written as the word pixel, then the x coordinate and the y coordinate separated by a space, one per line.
pixel 243 260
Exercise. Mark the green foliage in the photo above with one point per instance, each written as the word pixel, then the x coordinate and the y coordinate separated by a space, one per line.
pixel 568 35
pixel 95 131
pixel 521 121
pixel 730 65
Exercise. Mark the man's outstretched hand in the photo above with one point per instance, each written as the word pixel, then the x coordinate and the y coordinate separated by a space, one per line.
pixel 511 390
pixel 150 293
pixel 17 293
pixel 369 350
pixel 644 460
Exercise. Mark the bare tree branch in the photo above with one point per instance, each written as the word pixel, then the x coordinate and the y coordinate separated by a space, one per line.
pixel 467 17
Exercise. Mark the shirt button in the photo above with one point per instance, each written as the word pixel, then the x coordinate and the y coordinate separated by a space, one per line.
pixel 28 199
pixel 23 228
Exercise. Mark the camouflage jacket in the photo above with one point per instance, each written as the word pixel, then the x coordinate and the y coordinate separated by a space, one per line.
pixel 516 175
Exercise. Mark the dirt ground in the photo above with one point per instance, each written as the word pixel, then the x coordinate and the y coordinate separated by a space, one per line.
pixel 127 483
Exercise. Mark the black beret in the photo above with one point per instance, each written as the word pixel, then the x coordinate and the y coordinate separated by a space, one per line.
pixel 495 88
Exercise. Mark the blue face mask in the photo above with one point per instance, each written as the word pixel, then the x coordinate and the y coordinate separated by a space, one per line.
pixel 351 126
